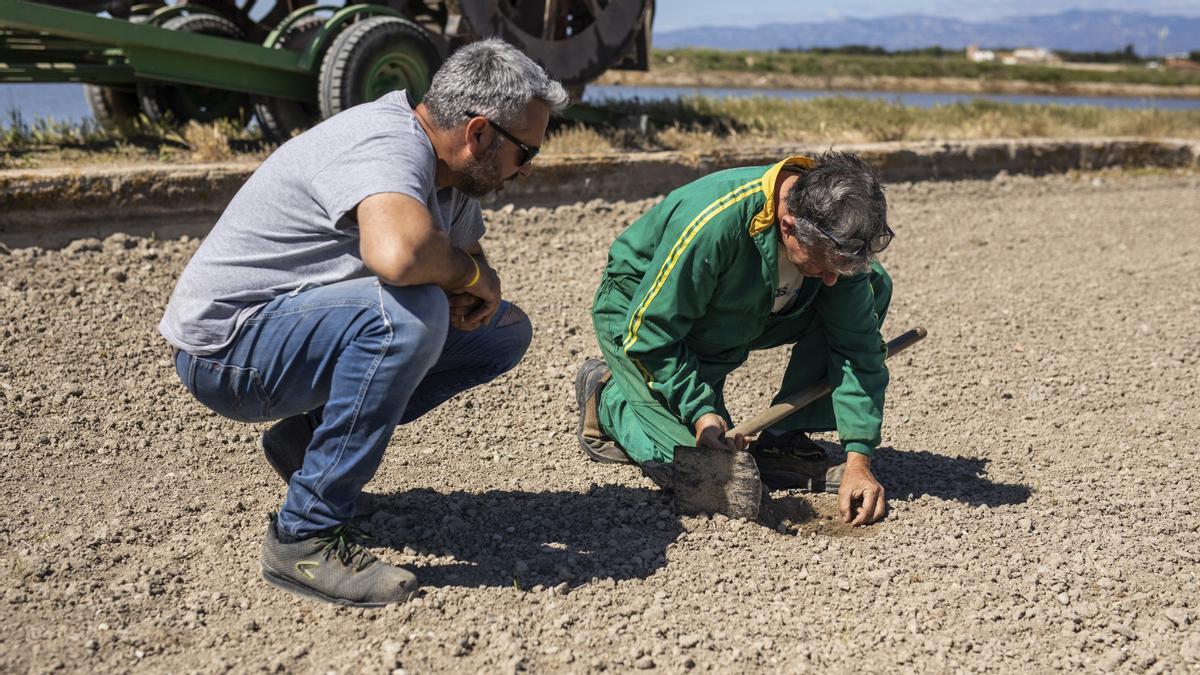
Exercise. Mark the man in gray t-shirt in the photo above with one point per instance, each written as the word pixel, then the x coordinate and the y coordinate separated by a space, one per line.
pixel 344 291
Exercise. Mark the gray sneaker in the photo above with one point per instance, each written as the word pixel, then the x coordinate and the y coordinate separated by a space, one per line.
pixel 334 567
pixel 589 382
pixel 285 442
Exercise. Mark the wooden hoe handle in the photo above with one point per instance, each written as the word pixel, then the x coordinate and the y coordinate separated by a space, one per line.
pixel 791 404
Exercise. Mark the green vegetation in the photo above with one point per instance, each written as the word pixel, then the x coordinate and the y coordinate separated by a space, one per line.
pixel 1126 56
pixel 866 50
pixel 26 144
pixel 951 65
pixel 697 123
pixel 692 124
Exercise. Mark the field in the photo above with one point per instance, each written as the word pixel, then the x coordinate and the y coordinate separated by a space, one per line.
pixel 690 123
pixel 1040 463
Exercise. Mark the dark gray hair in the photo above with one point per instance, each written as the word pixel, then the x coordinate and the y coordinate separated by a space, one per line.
pixel 491 78
pixel 842 194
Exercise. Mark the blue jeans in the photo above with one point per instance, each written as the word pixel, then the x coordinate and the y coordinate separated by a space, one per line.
pixel 360 357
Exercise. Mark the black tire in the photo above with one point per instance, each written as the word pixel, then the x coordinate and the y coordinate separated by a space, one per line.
pixel 111 107
pixel 114 107
pixel 184 103
pixel 402 50
pixel 279 118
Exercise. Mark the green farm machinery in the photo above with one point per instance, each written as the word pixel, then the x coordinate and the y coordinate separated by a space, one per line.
pixel 289 64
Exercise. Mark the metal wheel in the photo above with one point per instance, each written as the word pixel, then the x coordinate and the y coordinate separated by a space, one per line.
pixel 376 56
pixel 574 40
pixel 279 118
pixel 184 103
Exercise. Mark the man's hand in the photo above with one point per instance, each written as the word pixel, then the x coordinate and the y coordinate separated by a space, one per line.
pixel 859 485
pixel 710 433
pixel 483 298
pixel 461 305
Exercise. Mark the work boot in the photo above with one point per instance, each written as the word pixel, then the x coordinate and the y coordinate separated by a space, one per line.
pixel 334 567
pixel 792 461
pixel 589 382
pixel 285 442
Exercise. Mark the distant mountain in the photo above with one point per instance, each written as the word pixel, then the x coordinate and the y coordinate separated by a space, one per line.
pixel 1076 30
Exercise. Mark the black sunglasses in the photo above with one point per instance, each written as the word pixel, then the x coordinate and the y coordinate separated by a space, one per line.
pixel 855 247
pixel 528 152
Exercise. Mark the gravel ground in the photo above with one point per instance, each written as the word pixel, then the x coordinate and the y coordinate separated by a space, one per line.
pixel 1040 464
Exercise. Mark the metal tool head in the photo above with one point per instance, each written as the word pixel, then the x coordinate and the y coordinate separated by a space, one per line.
pixel 707 481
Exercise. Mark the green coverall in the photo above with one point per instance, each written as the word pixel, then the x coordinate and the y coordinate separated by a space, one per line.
pixel 688 292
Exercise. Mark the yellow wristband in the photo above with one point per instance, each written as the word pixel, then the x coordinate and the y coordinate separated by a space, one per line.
pixel 474 279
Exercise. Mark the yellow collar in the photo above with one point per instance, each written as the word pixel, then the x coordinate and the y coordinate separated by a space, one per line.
pixel 766 217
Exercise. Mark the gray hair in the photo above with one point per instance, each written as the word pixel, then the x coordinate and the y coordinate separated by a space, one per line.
pixel 491 78
pixel 842 194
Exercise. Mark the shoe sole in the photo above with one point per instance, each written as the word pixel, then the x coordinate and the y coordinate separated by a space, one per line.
pixel 290 586
pixel 581 392
pixel 273 454
pixel 275 465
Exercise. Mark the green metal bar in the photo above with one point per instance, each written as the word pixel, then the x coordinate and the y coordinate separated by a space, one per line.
pixel 53 57
pixel 188 58
pixel 86 74
pixel 43 43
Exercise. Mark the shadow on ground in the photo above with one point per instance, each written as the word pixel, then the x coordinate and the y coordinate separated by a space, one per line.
pixel 526 539
pixel 962 479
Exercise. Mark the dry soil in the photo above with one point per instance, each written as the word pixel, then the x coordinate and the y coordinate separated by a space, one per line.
pixel 1040 461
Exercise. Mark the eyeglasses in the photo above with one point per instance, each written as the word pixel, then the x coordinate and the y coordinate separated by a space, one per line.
pixel 528 152
pixel 855 247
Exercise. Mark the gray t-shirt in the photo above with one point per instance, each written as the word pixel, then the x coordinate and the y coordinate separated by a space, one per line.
pixel 293 223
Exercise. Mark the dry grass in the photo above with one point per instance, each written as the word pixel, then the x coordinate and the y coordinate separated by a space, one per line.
pixel 208 142
pixel 688 124
pixel 577 140
pixel 705 123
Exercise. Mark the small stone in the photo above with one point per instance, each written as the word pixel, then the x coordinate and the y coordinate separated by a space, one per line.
pixel 1177 616
pixel 1063 598
pixel 1190 649
pixel 1126 631
pixel 1113 660
pixel 688 641
pixel 82 245
pixel 1025 525
pixel 879 577
pixel 644 663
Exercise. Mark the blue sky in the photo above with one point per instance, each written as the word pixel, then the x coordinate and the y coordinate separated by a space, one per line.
pixel 675 14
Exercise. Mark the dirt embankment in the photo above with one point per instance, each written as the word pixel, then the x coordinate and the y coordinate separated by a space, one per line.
pixel 945 85
pixel 1039 456
pixel 50 206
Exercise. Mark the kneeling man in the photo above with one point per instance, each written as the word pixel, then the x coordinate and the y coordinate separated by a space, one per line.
pixel 748 258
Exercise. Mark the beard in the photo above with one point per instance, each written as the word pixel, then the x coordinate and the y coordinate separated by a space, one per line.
pixel 481 176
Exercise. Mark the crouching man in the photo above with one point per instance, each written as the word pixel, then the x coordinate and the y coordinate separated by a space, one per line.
pixel 748 258
pixel 344 291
